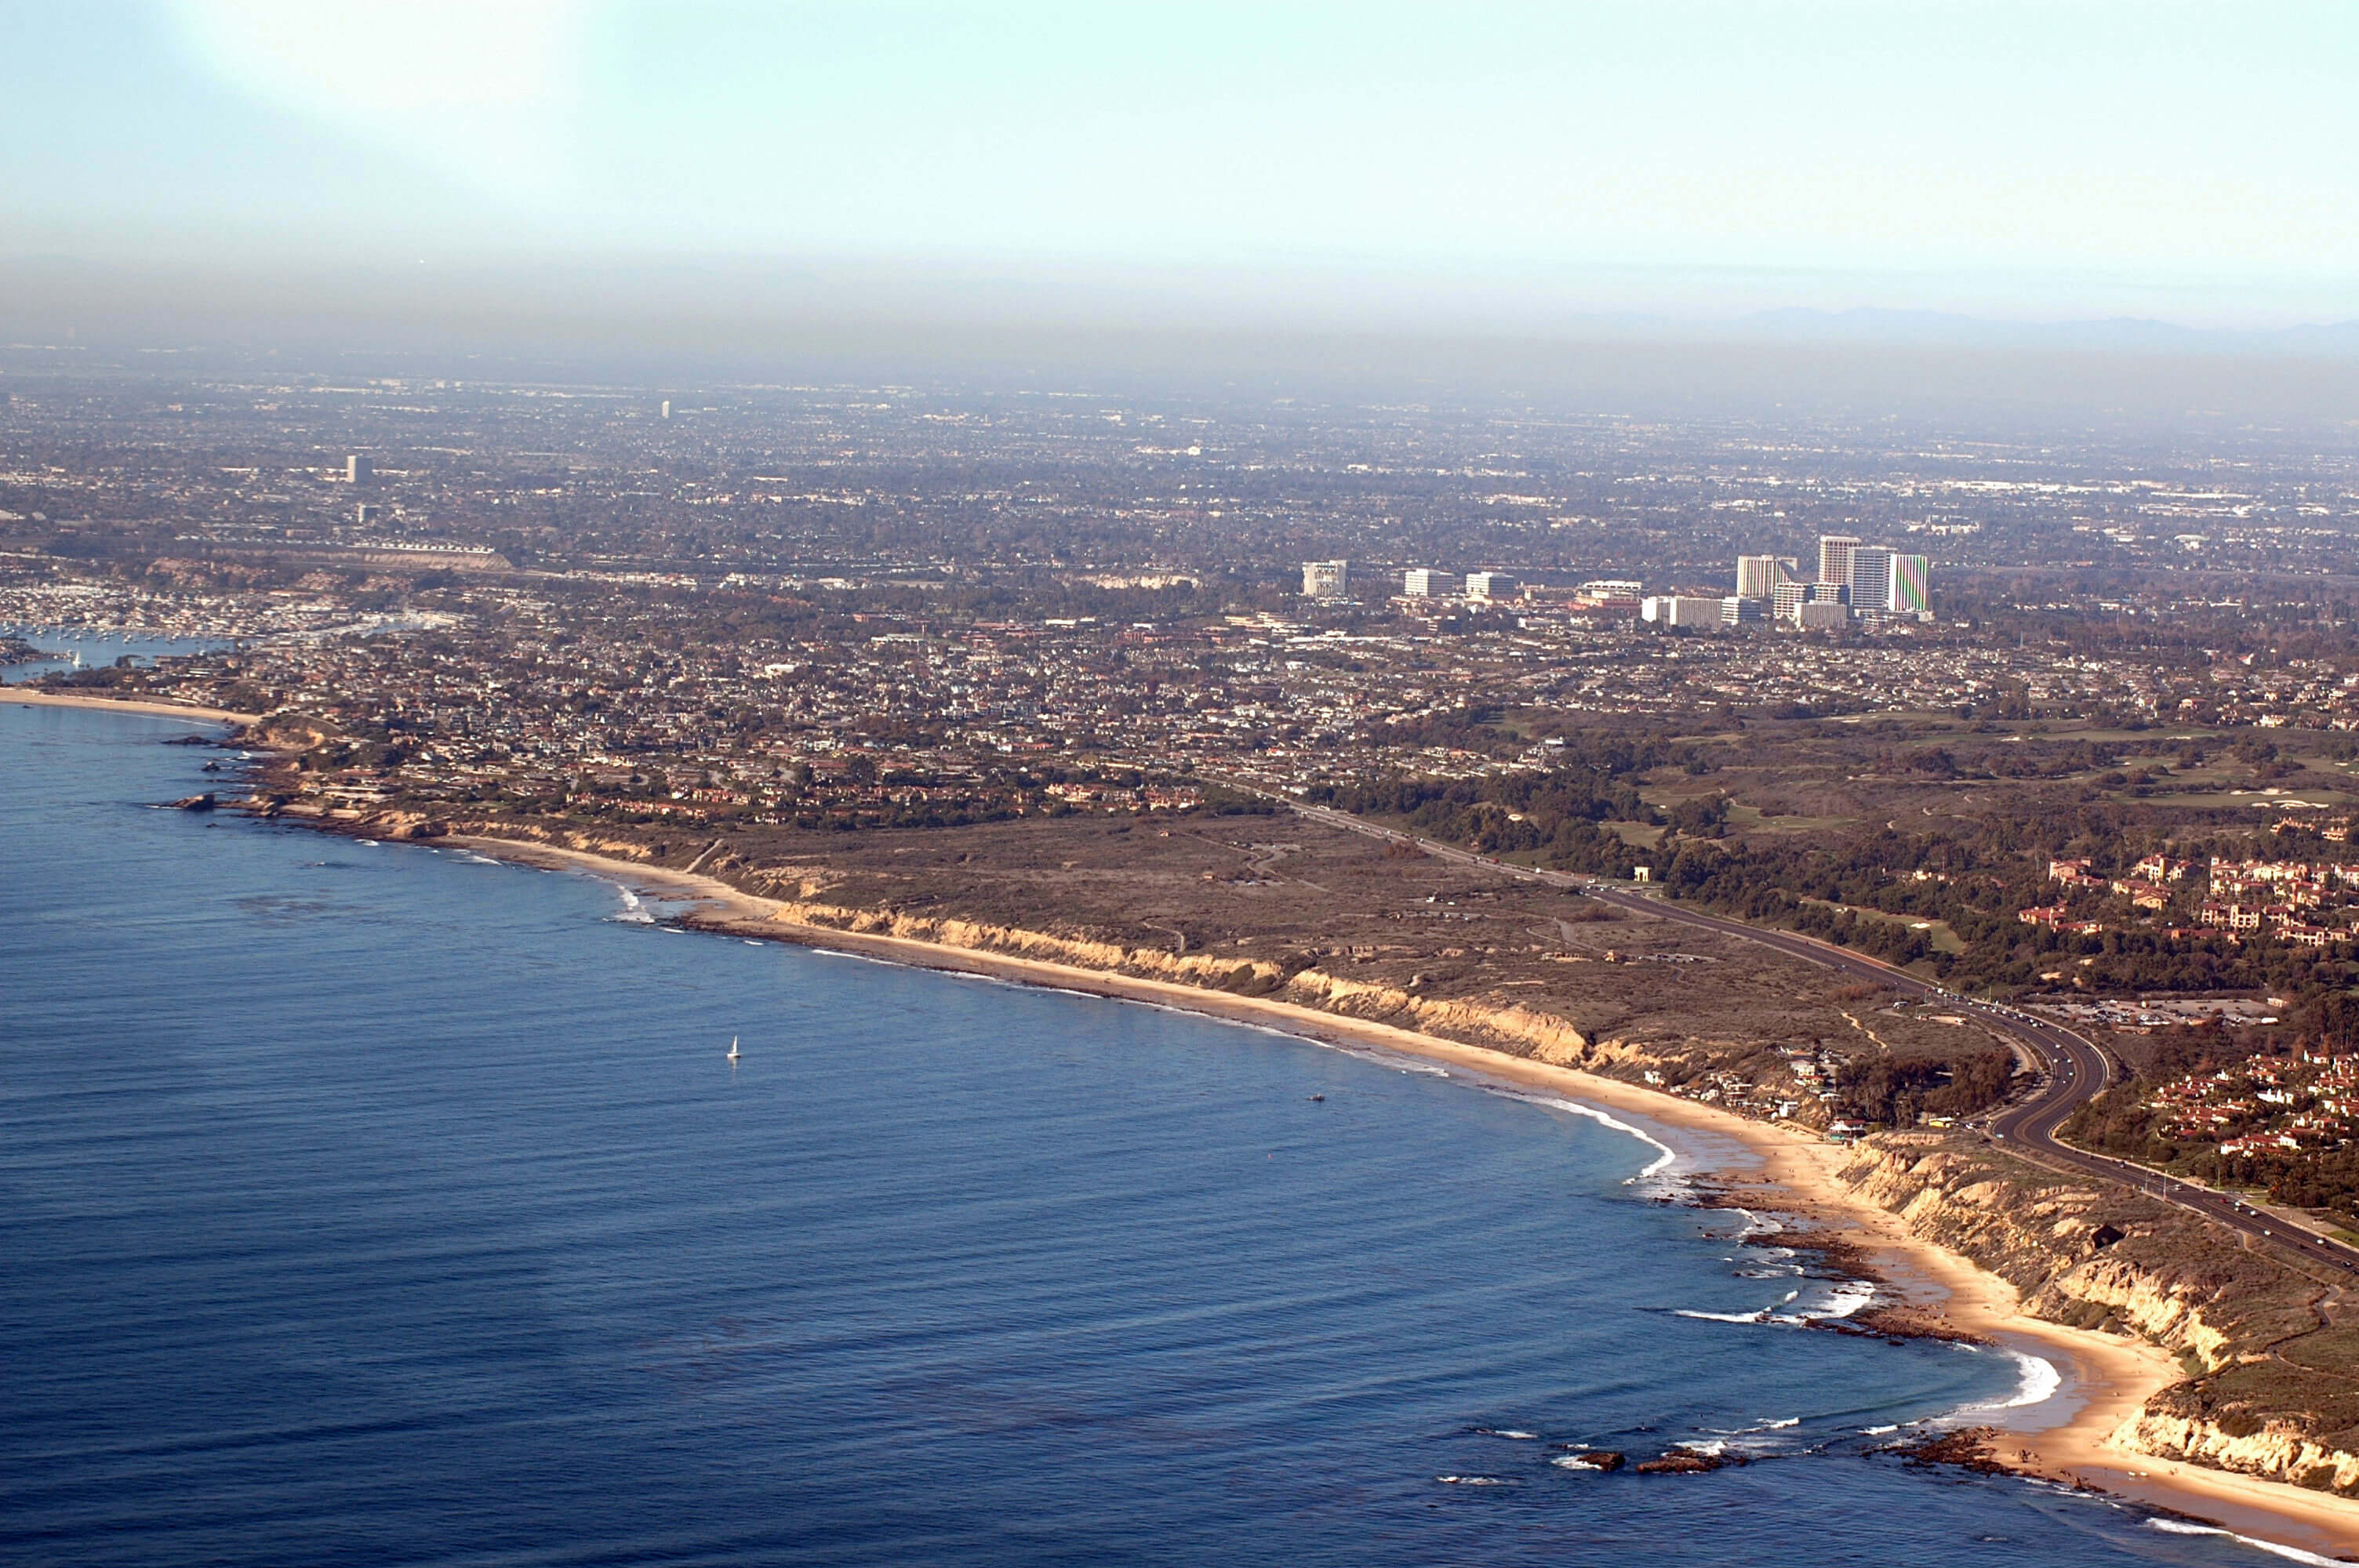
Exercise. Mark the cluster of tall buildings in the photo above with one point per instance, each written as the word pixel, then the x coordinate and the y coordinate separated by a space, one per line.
pixel 1855 580
pixel 1331 579
pixel 1423 582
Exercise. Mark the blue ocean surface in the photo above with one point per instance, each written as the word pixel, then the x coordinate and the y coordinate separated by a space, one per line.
pixel 369 1204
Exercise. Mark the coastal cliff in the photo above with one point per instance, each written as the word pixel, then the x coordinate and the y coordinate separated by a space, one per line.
pixel 1520 1030
pixel 2272 1382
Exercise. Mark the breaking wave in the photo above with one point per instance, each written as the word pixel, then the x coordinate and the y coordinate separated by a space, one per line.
pixel 1665 1156
pixel 2188 1526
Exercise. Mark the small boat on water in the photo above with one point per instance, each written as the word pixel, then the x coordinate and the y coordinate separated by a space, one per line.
pixel 733 1049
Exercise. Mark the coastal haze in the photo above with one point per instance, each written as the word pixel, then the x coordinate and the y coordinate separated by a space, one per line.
pixel 1027 784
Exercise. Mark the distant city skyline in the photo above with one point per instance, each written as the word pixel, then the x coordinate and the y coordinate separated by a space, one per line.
pixel 1375 166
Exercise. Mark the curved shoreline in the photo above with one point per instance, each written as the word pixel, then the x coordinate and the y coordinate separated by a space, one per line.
pixel 2106 1379
pixel 2108 1376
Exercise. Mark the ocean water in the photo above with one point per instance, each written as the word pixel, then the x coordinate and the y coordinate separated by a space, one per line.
pixel 367 1204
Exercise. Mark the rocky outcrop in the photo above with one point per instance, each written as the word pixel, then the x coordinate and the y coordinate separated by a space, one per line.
pixel 408 826
pixel 1685 1462
pixel 1605 1460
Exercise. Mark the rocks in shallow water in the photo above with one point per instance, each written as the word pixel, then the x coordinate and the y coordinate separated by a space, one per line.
pixel 1603 1459
pixel 1682 1462
pixel 204 802
pixel 1968 1449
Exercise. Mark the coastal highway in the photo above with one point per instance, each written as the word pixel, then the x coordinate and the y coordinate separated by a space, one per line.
pixel 2071 1069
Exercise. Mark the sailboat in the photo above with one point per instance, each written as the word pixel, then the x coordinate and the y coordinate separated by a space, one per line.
pixel 733 1049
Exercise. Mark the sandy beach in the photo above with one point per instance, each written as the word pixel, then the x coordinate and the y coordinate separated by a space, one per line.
pixel 27 697
pixel 2106 1379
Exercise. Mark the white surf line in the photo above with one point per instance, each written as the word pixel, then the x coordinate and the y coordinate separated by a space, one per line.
pixel 2038 1382
pixel 2275 1549
pixel 1665 1154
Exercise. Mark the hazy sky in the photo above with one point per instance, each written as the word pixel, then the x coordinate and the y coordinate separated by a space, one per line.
pixel 2198 162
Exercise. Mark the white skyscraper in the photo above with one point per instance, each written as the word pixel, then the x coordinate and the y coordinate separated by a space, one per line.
pixel 1491 585
pixel 1325 580
pixel 1871 576
pixel 1424 582
pixel 1911 586
pixel 1757 577
pixel 1834 556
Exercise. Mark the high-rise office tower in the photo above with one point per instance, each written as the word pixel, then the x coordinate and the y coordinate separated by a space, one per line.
pixel 1490 585
pixel 666 409
pixel 1325 580
pixel 1911 586
pixel 1424 582
pixel 1757 577
pixel 1871 576
pixel 1834 556
pixel 359 470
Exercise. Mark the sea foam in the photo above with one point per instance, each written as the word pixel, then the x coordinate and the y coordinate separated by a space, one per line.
pixel 1665 1154
pixel 2188 1526
pixel 2036 1382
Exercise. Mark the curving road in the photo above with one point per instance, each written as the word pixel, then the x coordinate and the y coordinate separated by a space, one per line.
pixel 2070 1069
